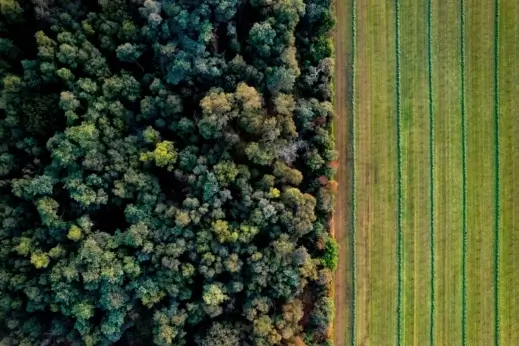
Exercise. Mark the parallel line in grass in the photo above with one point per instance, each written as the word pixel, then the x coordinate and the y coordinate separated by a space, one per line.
pixel 431 169
pixel 399 176
pixel 354 178
pixel 464 183
pixel 497 183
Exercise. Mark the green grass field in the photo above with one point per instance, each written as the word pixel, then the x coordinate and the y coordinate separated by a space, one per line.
pixel 509 128
pixel 480 172
pixel 435 250
pixel 448 178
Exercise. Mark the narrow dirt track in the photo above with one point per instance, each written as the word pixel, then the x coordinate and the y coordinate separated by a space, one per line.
pixel 364 176
pixel 342 214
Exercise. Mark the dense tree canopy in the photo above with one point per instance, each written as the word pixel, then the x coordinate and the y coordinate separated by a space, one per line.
pixel 166 172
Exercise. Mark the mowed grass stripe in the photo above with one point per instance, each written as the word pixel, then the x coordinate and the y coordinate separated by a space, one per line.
pixel 431 169
pixel 480 172
pixel 447 174
pixel 383 299
pixel 399 178
pixel 415 171
pixel 464 179
pixel 354 169
pixel 365 178
pixel 509 166
pixel 497 208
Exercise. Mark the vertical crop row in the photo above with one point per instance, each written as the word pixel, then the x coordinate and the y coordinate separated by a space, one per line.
pixel 464 183
pixel 354 156
pixel 497 183
pixel 431 168
pixel 399 175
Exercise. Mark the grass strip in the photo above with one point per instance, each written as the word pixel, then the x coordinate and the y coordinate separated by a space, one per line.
pixel 464 183
pixel 497 183
pixel 354 178
pixel 431 168
pixel 399 176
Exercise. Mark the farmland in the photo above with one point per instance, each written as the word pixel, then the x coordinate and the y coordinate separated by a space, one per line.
pixel 430 232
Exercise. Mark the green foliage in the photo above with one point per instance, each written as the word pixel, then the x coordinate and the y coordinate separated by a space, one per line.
pixel 158 165
pixel 261 37
pixel 74 233
pixel 164 155
pixel 128 52
pixel 12 84
pixel 40 260
pixel 280 79
pixel 65 74
pixel 225 172
pixel 11 9
pixel 213 295
pixel 331 254
pixel 221 334
pixel 274 193
pixel 322 313
pixel 24 247
pixel 287 174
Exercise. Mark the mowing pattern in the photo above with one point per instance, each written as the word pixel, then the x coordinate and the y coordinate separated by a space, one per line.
pixel 399 176
pixel 448 179
pixel 464 183
pixel 497 185
pixel 508 171
pixel 431 166
pixel 464 166
pixel 354 178
pixel 480 172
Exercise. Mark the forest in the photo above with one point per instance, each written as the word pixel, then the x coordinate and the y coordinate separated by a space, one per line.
pixel 166 172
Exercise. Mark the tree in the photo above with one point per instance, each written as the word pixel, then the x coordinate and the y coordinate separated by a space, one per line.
pixel 12 84
pixel 48 210
pixel 40 260
pixel 225 172
pixel 261 38
pixel 11 9
pixel 287 174
pixel 124 85
pixel 221 334
pixel 331 255
pixel 168 326
pixel 128 52
pixel 213 295
pixel 280 79
pixel 164 155
pixel 74 233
